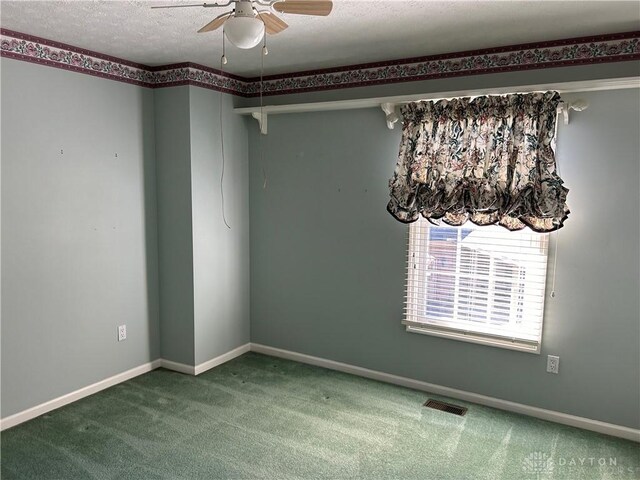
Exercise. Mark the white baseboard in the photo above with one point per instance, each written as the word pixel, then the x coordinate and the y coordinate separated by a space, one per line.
pixel 45 407
pixel 204 366
pixel 225 357
pixel 550 415
pixel 178 367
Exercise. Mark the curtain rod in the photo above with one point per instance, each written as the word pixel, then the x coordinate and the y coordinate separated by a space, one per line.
pixel 389 104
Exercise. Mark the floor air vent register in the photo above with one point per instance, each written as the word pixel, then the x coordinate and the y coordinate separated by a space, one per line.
pixel 446 407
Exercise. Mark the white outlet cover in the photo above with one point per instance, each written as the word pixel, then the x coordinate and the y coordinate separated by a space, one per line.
pixel 553 364
pixel 122 333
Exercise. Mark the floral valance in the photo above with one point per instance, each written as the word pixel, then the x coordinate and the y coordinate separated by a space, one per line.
pixel 488 159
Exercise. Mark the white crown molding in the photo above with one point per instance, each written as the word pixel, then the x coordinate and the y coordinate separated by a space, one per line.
pixel 549 415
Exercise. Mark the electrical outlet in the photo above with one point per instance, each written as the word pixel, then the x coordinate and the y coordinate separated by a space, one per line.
pixel 553 364
pixel 122 333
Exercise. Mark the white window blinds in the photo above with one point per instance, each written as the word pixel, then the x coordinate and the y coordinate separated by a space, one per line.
pixel 484 283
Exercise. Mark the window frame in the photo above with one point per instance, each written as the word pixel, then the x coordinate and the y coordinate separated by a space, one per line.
pixel 455 333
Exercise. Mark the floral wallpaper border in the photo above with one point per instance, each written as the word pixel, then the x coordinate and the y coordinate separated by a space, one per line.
pixel 32 49
pixel 577 51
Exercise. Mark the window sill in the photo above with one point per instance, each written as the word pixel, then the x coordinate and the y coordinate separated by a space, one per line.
pixel 476 338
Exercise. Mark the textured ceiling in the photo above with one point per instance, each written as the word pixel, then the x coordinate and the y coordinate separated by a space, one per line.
pixel 357 31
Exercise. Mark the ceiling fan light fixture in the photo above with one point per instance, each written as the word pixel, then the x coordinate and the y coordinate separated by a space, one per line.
pixel 244 32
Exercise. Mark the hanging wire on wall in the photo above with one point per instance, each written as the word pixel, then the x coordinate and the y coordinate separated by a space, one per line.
pixel 223 61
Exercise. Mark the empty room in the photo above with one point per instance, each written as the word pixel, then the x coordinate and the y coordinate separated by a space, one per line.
pixel 315 239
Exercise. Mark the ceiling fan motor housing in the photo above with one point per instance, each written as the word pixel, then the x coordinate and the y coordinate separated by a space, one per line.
pixel 244 8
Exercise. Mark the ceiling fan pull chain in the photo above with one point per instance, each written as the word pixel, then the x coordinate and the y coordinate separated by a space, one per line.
pixel 224 56
pixel 265 50
pixel 263 160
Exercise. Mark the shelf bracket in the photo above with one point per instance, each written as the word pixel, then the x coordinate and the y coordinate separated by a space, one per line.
pixel 262 121
pixel 579 106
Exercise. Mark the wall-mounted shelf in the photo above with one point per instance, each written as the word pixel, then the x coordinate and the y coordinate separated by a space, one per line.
pixel 389 105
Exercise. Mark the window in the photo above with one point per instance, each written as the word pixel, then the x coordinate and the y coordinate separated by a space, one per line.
pixel 479 284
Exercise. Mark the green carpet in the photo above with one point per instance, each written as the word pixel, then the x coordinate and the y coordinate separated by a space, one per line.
pixel 261 417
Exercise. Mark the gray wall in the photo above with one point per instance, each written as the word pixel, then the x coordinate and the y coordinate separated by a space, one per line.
pixel 204 266
pixel 220 254
pixel 328 262
pixel 92 241
pixel 175 225
pixel 79 241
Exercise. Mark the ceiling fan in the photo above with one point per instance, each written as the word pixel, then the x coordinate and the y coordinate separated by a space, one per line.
pixel 246 24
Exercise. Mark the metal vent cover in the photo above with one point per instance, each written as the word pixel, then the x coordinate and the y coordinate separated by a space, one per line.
pixel 446 407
